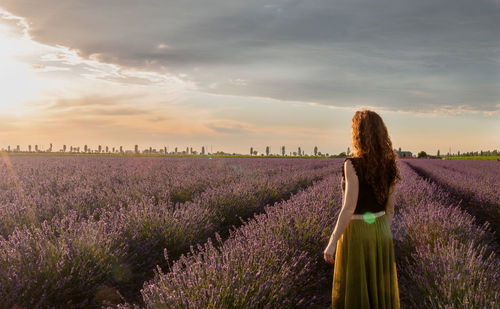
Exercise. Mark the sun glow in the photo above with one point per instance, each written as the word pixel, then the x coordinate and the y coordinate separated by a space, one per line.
pixel 18 80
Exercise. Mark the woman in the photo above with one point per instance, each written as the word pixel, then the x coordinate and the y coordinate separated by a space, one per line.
pixel 365 269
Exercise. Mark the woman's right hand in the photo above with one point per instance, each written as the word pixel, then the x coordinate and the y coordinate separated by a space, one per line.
pixel 328 254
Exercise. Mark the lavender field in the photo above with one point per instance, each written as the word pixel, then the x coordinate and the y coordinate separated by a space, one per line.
pixel 139 232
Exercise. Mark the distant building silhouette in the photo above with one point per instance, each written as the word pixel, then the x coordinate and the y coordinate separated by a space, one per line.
pixel 403 154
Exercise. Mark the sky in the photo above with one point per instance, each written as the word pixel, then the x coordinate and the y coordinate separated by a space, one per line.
pixel 230 75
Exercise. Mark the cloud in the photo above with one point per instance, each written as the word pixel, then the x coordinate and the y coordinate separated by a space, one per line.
pixel 340 53
pixel 13 26
pixel 44 68
pixel 159 118
pixel 230 127
pixel 103 119
pixel 96 111
pixel 89 102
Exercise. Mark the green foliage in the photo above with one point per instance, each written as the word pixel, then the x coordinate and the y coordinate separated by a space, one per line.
pixel 490 158
pixel 422 154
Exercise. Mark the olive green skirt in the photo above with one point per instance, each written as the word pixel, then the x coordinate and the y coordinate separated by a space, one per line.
pixel 364 274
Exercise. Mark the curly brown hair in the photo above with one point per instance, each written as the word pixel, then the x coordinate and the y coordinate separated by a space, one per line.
pixel 373 148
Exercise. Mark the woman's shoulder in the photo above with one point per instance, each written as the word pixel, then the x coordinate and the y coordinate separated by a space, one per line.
pixel 346 160
pixel 353 161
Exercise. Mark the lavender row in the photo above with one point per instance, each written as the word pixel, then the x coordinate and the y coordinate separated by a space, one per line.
pixel 34 189
pixel 272 261
pixel 480 194
pixel 82 262
pixel 445 258
pixel 478 168
pixel 193 222
pixel 38 188
pixel 479 178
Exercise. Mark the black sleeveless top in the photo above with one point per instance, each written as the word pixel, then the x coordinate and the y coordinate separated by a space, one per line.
pixel 366 197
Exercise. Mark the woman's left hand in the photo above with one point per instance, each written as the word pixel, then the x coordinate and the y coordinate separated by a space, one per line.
pixel 329 254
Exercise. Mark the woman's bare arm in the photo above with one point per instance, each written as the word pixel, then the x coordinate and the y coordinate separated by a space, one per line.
pixel 389 205
pixel 349 202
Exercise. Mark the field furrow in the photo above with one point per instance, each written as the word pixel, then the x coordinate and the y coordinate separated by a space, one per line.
pixel 84 262
pixel 272 261
pixel 444 258
pixel 250 236
pixel 478 195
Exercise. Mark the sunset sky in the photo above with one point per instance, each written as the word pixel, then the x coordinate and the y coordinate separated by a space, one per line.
pixel 235 74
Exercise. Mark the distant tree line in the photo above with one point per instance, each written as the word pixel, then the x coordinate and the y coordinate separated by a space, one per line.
pixel 423 154
pixel 105 149
pixel 102 149
pixel 300 152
